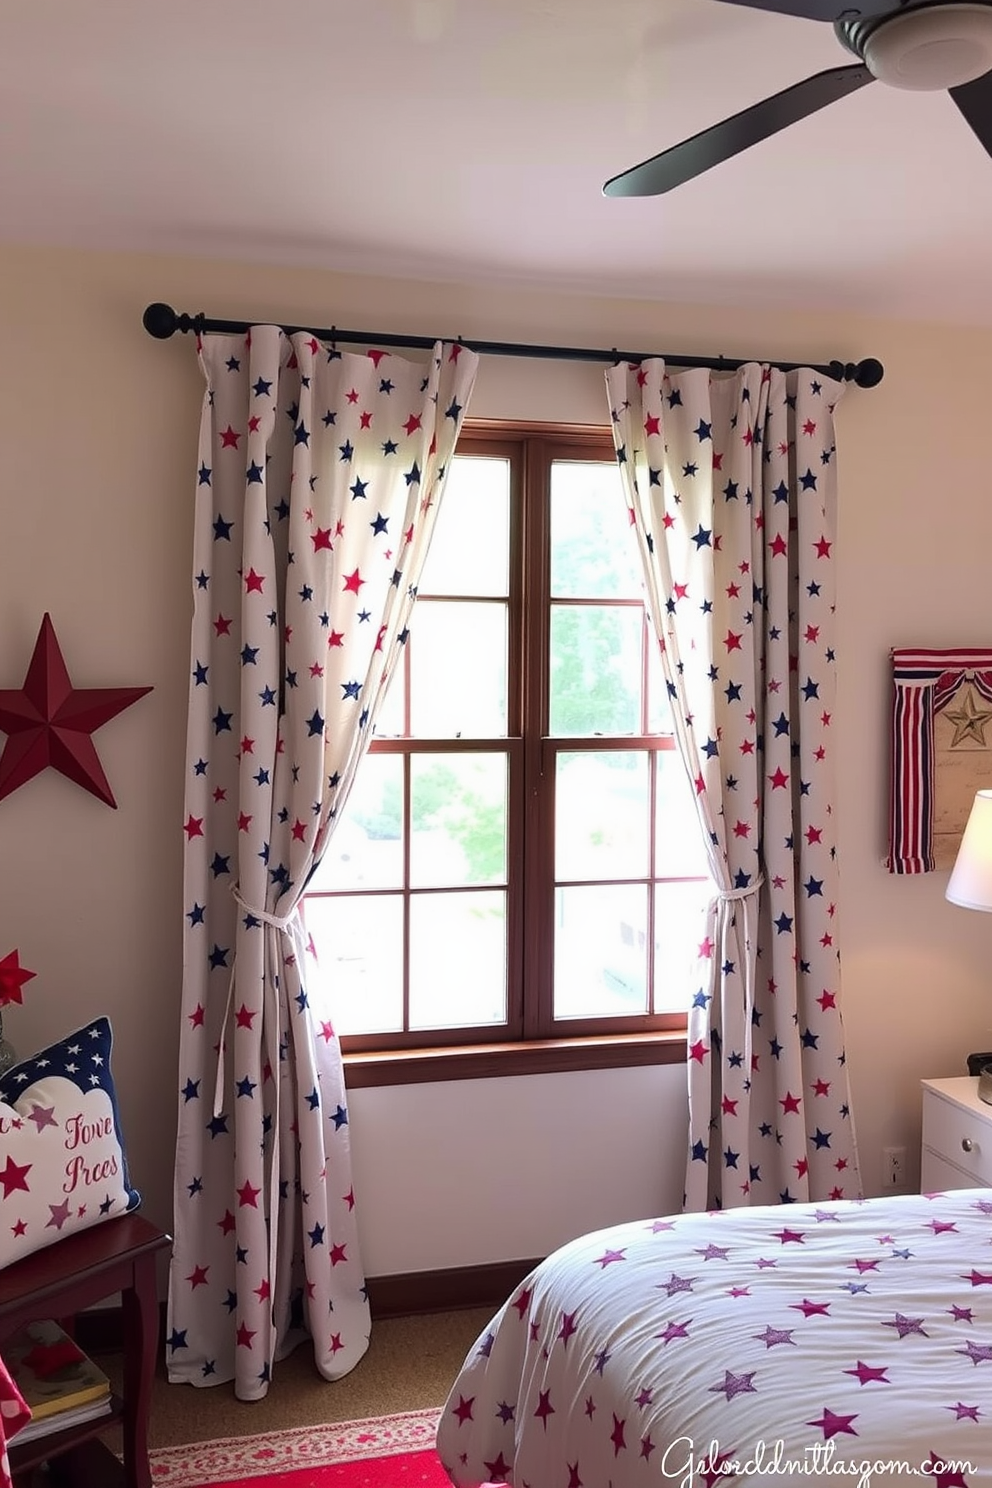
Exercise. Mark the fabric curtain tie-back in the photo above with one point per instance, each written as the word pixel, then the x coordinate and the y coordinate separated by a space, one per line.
pixel 278 922
pixel 748 896
pixel 728 895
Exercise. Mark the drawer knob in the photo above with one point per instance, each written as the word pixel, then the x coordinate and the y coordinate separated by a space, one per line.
pixel 967 1144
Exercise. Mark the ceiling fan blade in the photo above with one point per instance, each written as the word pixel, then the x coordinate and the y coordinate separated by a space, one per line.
pixel 821 10
pixel 694 156
pixel 974 99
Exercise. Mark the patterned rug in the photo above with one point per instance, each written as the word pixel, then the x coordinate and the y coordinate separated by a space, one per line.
pixel 384 1452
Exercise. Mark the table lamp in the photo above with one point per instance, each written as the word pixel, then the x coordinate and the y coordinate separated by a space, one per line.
pixel 970 885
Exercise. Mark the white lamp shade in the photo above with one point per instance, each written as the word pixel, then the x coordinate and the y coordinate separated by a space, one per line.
pixel 970 883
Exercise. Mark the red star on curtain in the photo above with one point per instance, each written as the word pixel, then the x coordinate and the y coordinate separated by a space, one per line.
pixel 48 722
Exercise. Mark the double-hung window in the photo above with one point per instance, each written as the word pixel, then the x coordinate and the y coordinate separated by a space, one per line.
pixel 519 869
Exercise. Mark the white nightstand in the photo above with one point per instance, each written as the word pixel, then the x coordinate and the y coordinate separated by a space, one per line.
pixel 957 1136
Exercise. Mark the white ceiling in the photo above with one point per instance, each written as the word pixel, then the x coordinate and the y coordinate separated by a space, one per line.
pixel 470 139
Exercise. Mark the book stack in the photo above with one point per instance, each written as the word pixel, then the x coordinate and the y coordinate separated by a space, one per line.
pixel 60 1384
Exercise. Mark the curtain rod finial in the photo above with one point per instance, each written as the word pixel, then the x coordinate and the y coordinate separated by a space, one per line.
pixel 160 321
pixel 865 374
pixel 869 373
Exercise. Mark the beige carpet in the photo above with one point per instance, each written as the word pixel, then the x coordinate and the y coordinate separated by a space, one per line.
pixel 410 1365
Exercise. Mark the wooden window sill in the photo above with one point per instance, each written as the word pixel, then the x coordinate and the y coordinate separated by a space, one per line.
pixel 533 1057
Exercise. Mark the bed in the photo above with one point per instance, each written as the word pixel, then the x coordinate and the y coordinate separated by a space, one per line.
pixel 842 1342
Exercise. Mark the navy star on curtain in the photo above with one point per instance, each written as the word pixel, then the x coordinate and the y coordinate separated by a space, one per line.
pixel 320 478
pixel 731 484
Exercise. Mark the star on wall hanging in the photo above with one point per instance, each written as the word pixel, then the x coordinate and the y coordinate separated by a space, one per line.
pixel 970 721
pixel 49 722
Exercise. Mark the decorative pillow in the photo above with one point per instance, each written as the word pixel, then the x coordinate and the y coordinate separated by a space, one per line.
pixel 62 1162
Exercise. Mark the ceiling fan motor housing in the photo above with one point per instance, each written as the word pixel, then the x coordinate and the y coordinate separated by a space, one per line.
pixel 924 47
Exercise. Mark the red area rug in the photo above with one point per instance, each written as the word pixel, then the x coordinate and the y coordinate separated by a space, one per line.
pixel 385 1452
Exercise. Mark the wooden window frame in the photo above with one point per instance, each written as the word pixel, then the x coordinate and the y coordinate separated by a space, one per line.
pixel 525 1045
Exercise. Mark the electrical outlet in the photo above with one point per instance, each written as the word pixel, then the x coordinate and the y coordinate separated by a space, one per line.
pixel 893 1168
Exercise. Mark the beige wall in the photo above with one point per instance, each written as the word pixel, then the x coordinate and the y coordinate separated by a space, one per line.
pixel 97 450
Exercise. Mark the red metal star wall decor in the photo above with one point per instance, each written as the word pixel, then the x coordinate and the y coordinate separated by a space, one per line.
pixel 49 722
pixel 12 978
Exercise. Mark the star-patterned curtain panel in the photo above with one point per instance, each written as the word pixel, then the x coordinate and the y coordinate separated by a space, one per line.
pixel 320 476
pixel 731 484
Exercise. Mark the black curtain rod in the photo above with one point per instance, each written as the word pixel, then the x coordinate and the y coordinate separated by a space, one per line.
pixel 161 321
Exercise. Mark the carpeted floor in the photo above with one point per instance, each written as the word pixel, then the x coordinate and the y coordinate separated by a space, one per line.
pixel 411 1364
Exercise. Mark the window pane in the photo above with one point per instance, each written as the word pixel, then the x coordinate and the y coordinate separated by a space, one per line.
pixel 389 722
pixel 458 959
pixel 679 849
pixel 458 819
pixel 601 965
pixel 595 670
pixel 659 702
pixel 366 850
pixel 593 552
pixel 470 545
pixel 359 943
pixel 679 926
pixel 601 815
pixel 458 670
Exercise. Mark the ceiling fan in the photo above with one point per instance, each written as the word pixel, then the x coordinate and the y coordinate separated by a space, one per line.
pixel 915 44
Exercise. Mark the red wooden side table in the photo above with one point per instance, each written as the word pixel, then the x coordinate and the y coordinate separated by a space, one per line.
pixel 115 1256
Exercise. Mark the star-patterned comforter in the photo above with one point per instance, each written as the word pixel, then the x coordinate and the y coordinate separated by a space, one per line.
pixel 848 1341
